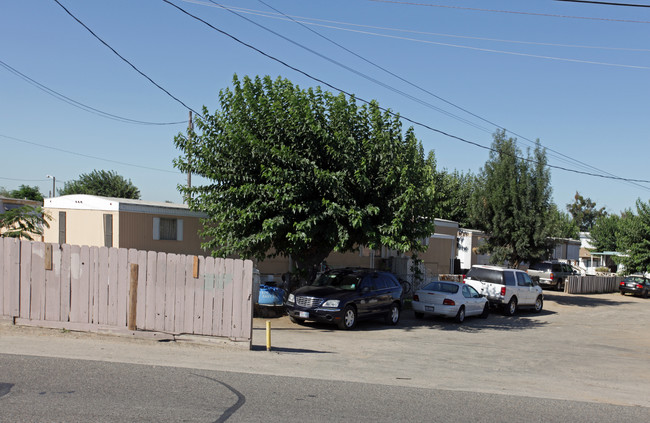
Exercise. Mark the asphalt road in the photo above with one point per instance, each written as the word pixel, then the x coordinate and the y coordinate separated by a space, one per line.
pixel 584 358
pixel 40 389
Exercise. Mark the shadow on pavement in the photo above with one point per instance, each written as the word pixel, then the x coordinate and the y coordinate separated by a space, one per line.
pixel 288 350
pixel 584 301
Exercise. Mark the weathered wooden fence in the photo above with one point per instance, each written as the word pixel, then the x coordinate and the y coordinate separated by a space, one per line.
pixel 88 288
pixel 591 284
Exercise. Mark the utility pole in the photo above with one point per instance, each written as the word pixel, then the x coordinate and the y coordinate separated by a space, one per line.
pixel 53 185
pixel 190 131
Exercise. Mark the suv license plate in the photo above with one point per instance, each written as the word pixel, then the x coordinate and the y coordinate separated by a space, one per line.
pixel 428 308
pixel 303 314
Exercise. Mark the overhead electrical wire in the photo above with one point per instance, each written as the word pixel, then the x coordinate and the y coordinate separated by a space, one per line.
pixel 384 109
pixel 78 104
pixel 547 15
pixel 558 155
pixel 313 22
pixel 88 156
pixel 126 61
pixel 607 3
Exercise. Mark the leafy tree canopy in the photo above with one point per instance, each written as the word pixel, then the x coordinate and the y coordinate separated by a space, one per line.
pixel 634 238
pixel 563 224
pixel 584 212
pixel 26 192
pixel 23 222
pixel 305 172
pixel 605 233
pixel 103 183
pixel 452 194
pixel 512 203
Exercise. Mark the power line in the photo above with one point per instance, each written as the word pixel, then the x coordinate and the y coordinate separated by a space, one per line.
pixel 554 153
pixel 78 104
pixel 548 15
pixel 23 180
pixel 85 155
pixel 125 60
pixel 306 20
pixel 607 3
pixel 476 144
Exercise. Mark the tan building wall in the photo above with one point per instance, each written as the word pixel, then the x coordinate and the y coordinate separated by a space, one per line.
pixel 82 227
pixel 136 231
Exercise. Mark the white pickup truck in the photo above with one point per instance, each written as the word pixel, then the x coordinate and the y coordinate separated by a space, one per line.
pixel 507 288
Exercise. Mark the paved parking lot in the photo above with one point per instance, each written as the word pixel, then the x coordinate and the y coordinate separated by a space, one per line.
pixel 581 347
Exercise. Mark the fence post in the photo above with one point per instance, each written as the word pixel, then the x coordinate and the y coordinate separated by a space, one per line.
pixel 133 297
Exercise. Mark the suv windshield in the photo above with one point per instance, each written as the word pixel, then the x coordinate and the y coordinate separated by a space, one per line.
pixel 343 281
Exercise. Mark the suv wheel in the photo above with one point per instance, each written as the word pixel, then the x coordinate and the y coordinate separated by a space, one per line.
pixel 349 318
pixel 460 316
pixel 539 304
pixel 511 308
pixel 393 315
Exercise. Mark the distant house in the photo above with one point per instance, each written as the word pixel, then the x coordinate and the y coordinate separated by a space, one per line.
pixel 566 250
pixel 123 223
pixel 7 204
pixel 590 259
pixel 437 259
pixel 469 242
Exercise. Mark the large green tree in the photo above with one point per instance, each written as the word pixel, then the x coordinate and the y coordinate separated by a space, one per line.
pixel 512 203
pixel 103 183
pixel 584 212
pixel 302 173
pixel 563 224
pixel 26 192
pixel 634 238
pixel 453 193
pixel 605 233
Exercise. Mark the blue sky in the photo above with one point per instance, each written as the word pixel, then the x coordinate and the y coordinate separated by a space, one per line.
pixel 573 75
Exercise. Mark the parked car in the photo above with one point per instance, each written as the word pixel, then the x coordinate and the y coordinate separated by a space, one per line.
pixel 551 273
pixel 449 299
pixel 344 296
pixel 635 284
pixel 506 288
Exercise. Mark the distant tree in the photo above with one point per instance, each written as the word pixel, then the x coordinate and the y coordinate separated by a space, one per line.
pixel 304 173
pixel 4 192
pixel 27 193
pixel 23 222
pixel 606 232
pixel 584 212
pixel 453 193
pixel 103 183
pixel 563 224
pixel 512 203
pixel 634 238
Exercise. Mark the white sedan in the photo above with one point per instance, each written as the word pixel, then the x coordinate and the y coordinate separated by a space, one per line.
pixel 449 299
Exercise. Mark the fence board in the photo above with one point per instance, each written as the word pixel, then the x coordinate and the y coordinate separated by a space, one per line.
pixel 208 296
pixel 161 264
pixel 247 302
pixel 217 315
pixel 227 298
pixel 170 291
pixel 25 278
pixel 94 271
pixel 53 286
pixel 188 307
pixel 65 283
pixel 237 288
pixel 142 288
pixel 103 281
pixel 10 288
pixel 113 285
pixel 123 278
pixel 199 289
pixel 38 282
pixel 150 311
pixel 179 307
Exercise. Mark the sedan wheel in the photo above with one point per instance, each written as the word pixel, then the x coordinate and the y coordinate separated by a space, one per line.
pixel 539 304
pixel 486 311
pixel 349 318
pixel 460 316
pixel 393 315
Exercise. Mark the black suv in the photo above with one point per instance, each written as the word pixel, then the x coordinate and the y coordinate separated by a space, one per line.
pixel 343 296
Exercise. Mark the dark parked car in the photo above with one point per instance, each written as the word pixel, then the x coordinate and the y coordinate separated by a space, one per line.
pixel 343 296
pixel 635 284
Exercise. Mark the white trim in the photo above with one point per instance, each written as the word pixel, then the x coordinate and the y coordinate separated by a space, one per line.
pixel 156 229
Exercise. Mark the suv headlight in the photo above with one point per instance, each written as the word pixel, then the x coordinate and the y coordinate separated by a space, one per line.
pixel 291 298
pixel 331 303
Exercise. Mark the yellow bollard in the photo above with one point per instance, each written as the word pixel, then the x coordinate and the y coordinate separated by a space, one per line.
pixel 268 335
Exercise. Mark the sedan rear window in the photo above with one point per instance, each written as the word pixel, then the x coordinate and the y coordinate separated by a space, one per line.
pixel 449 288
